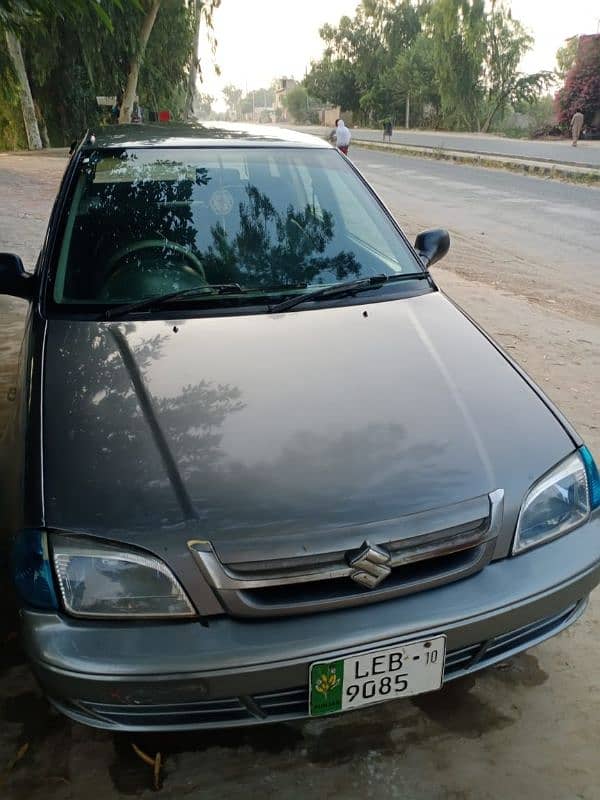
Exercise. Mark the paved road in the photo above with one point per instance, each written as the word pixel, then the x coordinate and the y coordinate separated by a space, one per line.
pixel 587 152
pixel 533 233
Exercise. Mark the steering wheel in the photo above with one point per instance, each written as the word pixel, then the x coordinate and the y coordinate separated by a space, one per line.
pixel 113 265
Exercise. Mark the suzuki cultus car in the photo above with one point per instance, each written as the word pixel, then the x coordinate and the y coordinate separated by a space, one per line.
pixel 259 467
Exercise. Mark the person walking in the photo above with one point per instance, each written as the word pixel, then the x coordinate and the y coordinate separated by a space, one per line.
pixel 333 133
pixel 576 127
pixel 342 137
pixel 387 130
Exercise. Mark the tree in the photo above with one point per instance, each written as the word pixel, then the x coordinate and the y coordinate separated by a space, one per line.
pixel 164 74
pixel 151 8
pixel 506 43
pixel 357 68
pixel 256 98
pixel 13 44
pixel 414 79
pixel 296 102
pixel 201 9
pixel 330 80
pixel 75 50
pixel 12 127
pixel 435 61
pixel 458 34
pixel 233 96
pixel 203 105
pixel 565 56
pixel 16 18
pixel 581 91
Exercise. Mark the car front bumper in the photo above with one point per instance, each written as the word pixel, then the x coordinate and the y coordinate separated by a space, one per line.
pixel 147 676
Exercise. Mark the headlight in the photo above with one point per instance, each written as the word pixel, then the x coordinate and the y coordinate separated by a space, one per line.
pixel 100 580
pixel 557 503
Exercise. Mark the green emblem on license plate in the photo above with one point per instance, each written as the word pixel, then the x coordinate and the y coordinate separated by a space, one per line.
pixel 326 683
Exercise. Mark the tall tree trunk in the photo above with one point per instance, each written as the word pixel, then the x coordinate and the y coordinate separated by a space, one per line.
pixel 136 62
pixel 490 117
pixel 192 89
pixel 407 112
pixel 31 126
pixel 42 125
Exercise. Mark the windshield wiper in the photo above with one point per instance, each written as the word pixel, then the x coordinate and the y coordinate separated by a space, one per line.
pixel 348 287
pixel 159 299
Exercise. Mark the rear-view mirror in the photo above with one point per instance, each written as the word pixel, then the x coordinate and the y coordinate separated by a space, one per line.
pixel 13 278
pixel 432 245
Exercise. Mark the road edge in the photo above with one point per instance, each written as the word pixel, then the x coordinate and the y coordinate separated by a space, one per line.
pixel 548 170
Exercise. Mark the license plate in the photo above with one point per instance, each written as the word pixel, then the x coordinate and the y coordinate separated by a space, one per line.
pixel 373 677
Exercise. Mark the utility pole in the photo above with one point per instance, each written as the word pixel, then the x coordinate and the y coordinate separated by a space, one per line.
pixel 407 116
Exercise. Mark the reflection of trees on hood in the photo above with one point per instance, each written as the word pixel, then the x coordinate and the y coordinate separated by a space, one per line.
pixel 273 248
pixel 324 479
pixel 192 421
pixel 102 465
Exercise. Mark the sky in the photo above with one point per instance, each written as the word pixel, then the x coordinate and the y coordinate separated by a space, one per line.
pixel 259 40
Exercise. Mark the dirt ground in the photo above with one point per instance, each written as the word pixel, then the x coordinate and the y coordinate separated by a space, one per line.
pixel 530 727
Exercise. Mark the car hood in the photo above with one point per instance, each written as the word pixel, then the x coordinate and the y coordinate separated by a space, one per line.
pixel 264 425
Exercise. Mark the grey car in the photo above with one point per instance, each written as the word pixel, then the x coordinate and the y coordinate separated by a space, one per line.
pixel 259 467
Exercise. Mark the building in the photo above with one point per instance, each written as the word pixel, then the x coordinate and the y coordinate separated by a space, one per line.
pixel 285 85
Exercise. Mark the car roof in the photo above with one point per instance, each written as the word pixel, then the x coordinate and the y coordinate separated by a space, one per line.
pixel 199 134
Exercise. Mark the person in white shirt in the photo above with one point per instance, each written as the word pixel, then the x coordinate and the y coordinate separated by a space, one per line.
pixel 342 137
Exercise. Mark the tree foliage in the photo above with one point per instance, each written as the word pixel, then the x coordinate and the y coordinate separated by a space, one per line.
pixel 255 98
pixel 454 62
pixel 581 91
pixel 458 35
pixel 76 50
pixel 507 42
pixel 296 102
pixel 233 96
pixel 565 56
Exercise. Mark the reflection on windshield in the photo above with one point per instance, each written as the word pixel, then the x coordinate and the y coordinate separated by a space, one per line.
pixel 273 248
pixel 143 226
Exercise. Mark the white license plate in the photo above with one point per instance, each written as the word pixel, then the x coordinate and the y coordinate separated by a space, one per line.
pixel 373 677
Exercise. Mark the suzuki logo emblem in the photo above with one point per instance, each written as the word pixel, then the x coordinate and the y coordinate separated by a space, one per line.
pixel 370 565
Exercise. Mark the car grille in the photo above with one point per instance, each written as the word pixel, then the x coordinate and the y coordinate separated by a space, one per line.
pixel 293 703
pixel 425 556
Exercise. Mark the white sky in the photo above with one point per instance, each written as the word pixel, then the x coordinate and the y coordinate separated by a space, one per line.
pixel 259 40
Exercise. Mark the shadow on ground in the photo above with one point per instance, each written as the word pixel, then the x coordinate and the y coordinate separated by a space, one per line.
pixel 57 747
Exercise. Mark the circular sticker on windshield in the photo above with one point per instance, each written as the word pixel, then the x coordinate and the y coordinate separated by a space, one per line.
pixel 221 202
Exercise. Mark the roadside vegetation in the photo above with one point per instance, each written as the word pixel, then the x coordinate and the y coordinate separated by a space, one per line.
pixel 451 64
pixel 58 56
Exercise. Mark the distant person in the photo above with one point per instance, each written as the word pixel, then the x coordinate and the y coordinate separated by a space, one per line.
pixel 333 133
pixel 387 131
pixel 576 127
pixel 342 137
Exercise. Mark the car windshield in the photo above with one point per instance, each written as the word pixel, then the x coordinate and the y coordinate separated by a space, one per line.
pixel 261 221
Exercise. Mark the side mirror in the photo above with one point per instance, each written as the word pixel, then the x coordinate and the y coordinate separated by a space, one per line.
pixel 13 278
pixel 432 245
